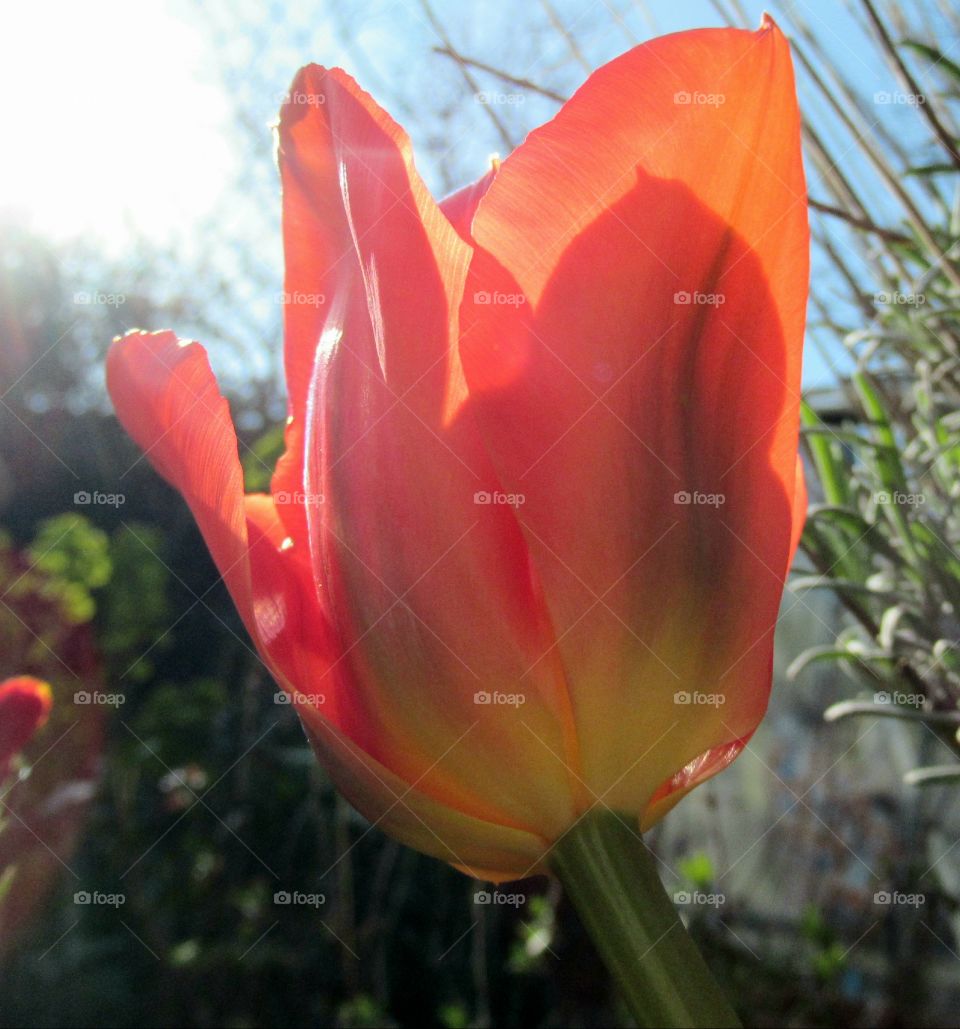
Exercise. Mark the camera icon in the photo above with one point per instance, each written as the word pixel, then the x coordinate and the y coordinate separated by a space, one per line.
pixel 282 897
pixel 682 497
pixel 482 496
pixel 482 697
pixel 682 897
pixel 883 897
pixel 281 697
pixel 683 297
pixel 681 697
pixel 681 97
pixel 82 697
pixel 81 497
pixel 882 497
pixel 482 297
pixel 482 897
pixel 81 897
pixel 882 697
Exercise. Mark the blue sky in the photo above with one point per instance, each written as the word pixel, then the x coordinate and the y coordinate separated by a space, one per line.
pixel 126 127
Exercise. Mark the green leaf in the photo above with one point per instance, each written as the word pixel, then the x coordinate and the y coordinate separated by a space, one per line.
pixel 936 57
pixel 855 650
pixel 939 168
pixel 260 460
pixel 886 454
pixel 827 457
pixel 932 775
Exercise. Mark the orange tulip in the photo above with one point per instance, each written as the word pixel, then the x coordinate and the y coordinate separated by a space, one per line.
pixel 25 703
pixel 525 549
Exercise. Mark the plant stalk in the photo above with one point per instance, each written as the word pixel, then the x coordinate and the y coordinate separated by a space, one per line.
pixel 611 878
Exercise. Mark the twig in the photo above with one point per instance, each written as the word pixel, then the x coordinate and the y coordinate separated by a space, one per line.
pixel 574 46
pixel 465 72
pixel 512 80
pixel 886 174
pixel 860 223
pixel 910 84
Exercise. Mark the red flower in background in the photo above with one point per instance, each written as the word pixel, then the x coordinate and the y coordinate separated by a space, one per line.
pixel 59 740
pixel 525 549
pixel 25 703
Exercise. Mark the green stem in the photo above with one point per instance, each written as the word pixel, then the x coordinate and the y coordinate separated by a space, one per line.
pixel 612 879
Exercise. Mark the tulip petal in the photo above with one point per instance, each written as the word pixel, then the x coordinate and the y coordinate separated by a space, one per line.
pixel 297 636
pixel 294 630
pixel 431 593
pixel 717 758
pixel 638 381
pixel 461 206
pixel 478 847
pixel 165 395
pixel 167 399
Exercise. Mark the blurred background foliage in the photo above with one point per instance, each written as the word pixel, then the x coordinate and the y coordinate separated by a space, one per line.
pixel 210 815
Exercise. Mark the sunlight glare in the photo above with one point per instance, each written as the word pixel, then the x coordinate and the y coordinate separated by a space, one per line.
pixel 107 124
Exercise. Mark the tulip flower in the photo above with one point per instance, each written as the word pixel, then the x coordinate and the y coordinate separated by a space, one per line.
pixel 522 557
pixel 25 703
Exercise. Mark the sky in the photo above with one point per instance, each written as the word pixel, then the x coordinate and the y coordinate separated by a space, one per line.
pixel 108 118
pixel 118 122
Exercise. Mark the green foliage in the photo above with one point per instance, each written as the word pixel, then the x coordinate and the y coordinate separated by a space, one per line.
pixel 260 460
pixel 828 956
pixel 136 610
pixel 74 557
pixel 886 539
pixel 535 935
pixel 698 870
